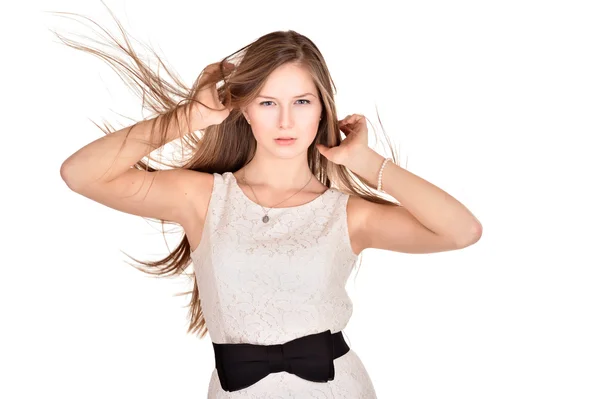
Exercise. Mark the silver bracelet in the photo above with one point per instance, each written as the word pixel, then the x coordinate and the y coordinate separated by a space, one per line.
pixel 385 161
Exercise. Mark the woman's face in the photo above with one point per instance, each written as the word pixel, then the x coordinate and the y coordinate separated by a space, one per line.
pixel 287 106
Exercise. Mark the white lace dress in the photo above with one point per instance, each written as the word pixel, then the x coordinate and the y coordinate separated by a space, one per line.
pixel 269 283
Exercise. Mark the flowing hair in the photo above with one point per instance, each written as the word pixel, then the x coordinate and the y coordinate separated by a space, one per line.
pixel 229 146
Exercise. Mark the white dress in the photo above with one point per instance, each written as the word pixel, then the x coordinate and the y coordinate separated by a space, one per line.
pixel 270 283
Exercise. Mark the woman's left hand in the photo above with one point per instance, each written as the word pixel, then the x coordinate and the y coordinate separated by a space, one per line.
pixel 354 128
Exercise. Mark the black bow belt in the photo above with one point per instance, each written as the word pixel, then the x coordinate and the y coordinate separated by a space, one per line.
pixel 309 357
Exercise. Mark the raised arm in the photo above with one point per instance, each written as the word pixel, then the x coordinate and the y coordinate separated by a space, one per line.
pixel 96 172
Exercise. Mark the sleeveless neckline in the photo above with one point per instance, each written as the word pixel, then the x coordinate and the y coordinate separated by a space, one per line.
pixel 247 199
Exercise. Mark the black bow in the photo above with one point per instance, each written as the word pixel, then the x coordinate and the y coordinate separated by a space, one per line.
pixel 309 357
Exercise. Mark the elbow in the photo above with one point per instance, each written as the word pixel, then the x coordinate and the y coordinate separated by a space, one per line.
pixel 472 237
pixel 66 175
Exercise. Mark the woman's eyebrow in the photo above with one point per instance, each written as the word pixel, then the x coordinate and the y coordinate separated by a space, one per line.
pixel 301 95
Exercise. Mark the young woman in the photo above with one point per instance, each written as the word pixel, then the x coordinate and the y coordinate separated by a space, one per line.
pixel 276 207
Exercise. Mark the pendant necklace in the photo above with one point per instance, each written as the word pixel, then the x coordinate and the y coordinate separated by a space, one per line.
pixel 265 218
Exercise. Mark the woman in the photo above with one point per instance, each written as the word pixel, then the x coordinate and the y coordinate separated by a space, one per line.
pixel 272 241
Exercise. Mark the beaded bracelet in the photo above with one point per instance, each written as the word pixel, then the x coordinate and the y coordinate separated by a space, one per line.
pixel 385 161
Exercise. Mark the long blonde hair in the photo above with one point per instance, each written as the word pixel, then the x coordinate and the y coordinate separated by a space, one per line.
pixel 230 145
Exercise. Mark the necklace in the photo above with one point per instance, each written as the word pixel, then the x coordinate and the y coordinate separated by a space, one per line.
pixel 265 218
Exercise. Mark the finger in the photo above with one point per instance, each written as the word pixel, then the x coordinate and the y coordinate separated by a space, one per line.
pixel 228 66
pixel 215 68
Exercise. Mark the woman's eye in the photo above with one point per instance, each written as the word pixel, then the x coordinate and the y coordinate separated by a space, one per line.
pixel 264 102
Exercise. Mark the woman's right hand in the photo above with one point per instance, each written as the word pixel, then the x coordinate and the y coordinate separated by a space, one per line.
pixel 209 97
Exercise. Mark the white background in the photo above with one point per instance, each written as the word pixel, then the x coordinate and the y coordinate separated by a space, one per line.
pixel 495 102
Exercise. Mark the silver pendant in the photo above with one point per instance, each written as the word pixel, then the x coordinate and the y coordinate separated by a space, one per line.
pixel 265 219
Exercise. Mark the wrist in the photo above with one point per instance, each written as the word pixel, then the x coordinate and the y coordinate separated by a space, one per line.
pixel 366 164
pixel 199 116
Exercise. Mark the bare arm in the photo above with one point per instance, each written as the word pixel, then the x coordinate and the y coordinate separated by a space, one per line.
pixel 97 162
pixel 96 172
pixel 169 194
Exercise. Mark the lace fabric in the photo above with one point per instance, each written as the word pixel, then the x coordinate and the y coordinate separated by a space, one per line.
pixel 269 283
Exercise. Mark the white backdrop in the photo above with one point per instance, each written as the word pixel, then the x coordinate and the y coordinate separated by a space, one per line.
pixel 495 102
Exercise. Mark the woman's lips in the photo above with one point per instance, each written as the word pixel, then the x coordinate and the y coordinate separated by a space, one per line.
pixel 285 141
